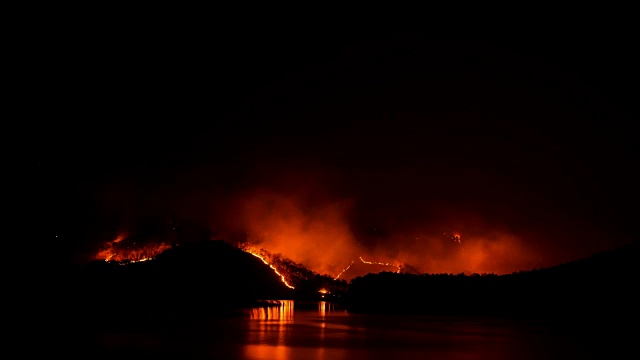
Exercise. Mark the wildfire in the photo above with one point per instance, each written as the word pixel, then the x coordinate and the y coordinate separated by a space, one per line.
pixel 123 252
pixel 325 307
pixel 345 269
pixel 323 292
pixel 455 237
pixel 368 263
pixel 379 263
pixel 257 254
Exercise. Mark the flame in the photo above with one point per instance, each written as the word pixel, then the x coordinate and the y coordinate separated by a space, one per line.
pixel 323 292
pixel 256 253
pixel 456 238
pixel 121 252
pixel 343 271
pixel 379 263
pixel 368 263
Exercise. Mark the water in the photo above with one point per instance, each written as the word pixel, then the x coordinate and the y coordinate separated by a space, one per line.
pixel 322 330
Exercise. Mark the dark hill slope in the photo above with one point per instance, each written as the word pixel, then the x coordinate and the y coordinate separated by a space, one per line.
pixel 602 285
pixel 199 279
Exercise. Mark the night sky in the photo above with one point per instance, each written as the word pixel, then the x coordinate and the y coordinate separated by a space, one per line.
pixel 325 142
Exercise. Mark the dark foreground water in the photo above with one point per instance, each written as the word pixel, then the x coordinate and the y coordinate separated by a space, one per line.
pixel 322 330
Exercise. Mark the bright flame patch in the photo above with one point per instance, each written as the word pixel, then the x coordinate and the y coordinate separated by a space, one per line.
pixel 121 251
pixel 265 259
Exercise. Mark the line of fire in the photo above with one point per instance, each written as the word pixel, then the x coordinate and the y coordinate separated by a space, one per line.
pixel 130 250
pixel 197 273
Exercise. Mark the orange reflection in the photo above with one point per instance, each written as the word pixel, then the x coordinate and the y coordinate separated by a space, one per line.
pixel 273 321
pixel 322 308
pixel 325 307
pixel 283 312
pixel 261 351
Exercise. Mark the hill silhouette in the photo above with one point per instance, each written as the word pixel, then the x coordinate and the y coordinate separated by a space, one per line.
pixel 213 277
pixel 602 285
pixel 216 279
pixel 197 279
pixel 205 278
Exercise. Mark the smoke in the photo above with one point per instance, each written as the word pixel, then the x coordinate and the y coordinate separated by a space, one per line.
pixel 295 213
pixel 490 252
pixel 326 217
pixel 323 200
pixel 381 151
pixel 315 235
pixel 324 209
pixel 302 214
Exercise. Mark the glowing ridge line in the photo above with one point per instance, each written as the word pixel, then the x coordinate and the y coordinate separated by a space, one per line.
pixel 342 272
pixel 380 263
pixel 273 268
pixel 368 263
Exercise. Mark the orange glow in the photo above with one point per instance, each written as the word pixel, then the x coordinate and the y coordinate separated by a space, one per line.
pixel 367 263
pixel 119 238
pixel 312 232
pixel 343 271
pixel 256 253
pixel 271 319
pixel 323 291
pixel 483 251
pixel 379 263
pixel 325 307
pixel 322 308
pixel 310 226
pixel 120 251
pixel 283 312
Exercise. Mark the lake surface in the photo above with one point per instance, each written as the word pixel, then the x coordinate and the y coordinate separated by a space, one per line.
pixel 322 330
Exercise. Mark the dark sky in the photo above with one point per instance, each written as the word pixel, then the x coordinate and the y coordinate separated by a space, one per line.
pixel 370 137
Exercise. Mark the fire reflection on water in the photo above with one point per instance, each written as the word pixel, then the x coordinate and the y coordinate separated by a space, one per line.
pixel 325 307
pixel 272 331
pixel 282 313
pixel 267 339
pixel 323 330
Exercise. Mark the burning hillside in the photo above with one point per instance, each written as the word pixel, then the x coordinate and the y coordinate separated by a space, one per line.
pixel 148 238
pixel 151 240
pixel 274 262
pixel 361 267
pixel 126 249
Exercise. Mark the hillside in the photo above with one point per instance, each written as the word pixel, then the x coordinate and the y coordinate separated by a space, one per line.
pixel 199 278
pixel 601 285
pixel 206 272
pixel 214 278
